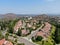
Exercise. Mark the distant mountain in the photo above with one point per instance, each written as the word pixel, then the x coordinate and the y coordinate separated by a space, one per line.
pixel 44 17
pixel 8 16
pixel 11 16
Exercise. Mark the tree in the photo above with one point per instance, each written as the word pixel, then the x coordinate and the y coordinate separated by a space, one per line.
pixel 19 32
pixel 33 39
pixel 10 30
pixel 57 35
pixel 6 36
pixel 16 40
pixel 1 36
pixel 39 38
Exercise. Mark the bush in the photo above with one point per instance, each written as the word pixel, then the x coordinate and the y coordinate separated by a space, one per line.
pixel 1 36
pixel 39 38
pixel 10 30
pixel 33 39
pixel 6 36
pixel 19 32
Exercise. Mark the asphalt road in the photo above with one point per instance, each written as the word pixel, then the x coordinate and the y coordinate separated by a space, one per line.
pixel 26 42
pixel 33 33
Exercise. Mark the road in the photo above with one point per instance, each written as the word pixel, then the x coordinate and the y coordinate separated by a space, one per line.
pixel 25 41
pixel 33 33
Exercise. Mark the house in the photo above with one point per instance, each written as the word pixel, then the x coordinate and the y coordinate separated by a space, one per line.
pixel 5 42
pixel 29 25
pixel 17 26
pixel 45 31
pixel 29 18
pixel 25 32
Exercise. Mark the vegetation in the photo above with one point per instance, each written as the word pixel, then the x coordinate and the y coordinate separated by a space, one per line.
pixel 6 36
pixel 57 35
pixel 19 32
pixel 53 29
pixel 52 38
pixel 1 36
pixel 11 25
pixel 39 38
pixel 10 30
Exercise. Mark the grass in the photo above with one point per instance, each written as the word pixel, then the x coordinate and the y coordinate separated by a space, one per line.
pixel 39 42
pixel 47 43
pixel 53 30
pixel 49 40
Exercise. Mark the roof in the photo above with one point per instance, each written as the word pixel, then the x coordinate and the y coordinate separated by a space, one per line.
pixel 5 42
pixel 44 31
pixel 25 31
pixel 2 41
pixel 18 25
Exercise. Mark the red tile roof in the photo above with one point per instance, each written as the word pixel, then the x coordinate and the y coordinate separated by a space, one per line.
pixel 5 42
pixel 25 32
pixel 18 25
pixel 2 41
pixel 44 31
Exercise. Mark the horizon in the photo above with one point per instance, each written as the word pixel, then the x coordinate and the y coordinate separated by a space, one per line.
pixel 29 14
pixel 30 7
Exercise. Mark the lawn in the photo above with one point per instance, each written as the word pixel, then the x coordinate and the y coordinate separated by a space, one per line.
pixel 39 42
pixel 53 30
pixel 49 40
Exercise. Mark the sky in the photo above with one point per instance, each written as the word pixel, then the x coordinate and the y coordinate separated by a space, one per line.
pixel 30 6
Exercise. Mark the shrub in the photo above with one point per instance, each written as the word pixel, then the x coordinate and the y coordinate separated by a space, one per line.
pixel 39 38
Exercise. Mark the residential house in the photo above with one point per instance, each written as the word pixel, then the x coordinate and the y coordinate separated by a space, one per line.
pixel 5 42
pixel 45 31
pixel 17 26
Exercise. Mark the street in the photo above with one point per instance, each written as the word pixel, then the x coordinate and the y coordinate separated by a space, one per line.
pixel 33 33
pixel 26 42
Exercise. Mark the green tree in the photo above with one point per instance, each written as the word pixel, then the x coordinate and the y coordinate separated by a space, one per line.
pixel 6 36
pixel 1 36
pixel 57 35
pixel 10 30
pixel 33 39
pixel 39 38
pixel 19 32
